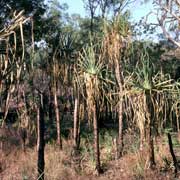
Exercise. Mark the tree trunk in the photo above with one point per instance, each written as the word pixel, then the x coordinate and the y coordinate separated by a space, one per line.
pixel 119 78
pixel 172 154
pixel 96 140
pixel 50 111
pixel 76 124
pixel 177 122
pixel 41 142
pixel 150 118
pixel 120 130
pixel 91 23
pixel 150 141
pixel 6 107
pixel 142 138
pixel 59 140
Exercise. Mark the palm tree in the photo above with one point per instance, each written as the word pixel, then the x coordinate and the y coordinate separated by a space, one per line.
pixel 89 77
pixel 11 58
pixel 143 87
pixel 76 118
pixel 115 43
pixel 55 82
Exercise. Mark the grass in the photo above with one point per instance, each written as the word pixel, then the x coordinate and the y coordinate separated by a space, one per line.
pixel 64 165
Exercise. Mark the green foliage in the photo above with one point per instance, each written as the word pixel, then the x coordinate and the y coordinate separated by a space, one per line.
pixel 31 8
pixel 91 72
pixel 89 63
pixel 146 78
pixel 106 144
pixel 75 52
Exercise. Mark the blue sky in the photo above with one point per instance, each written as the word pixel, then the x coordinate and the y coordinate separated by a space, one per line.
pixel 138 10
pixel 75 6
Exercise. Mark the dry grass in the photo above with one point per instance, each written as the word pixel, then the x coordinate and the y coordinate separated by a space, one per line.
pixel 18 165
pixel 61 165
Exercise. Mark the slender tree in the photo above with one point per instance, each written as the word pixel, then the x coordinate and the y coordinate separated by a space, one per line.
pixel 40 84
pixel 91 7
pixel 76 122
pixel 12 58
pixel 41 142
pixel 56 104
pixel 116 39
pixel 90 69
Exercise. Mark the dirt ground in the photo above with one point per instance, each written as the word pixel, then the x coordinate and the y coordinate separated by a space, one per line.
pixel 18 165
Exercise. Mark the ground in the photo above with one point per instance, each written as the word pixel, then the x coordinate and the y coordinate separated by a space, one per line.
pixel 63 165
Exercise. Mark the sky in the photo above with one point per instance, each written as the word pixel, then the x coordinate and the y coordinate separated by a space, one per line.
pixel 138 10
pixel 75 6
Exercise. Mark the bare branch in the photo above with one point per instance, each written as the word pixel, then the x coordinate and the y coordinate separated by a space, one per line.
pixel 174 15
pixel 168 17
pixel 168 36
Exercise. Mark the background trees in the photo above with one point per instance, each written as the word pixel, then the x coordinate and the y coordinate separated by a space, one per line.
pixel 88 78
pixel 168 19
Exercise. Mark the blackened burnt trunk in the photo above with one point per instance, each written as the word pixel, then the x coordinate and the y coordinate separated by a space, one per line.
pixel 150 126
pixel 41 141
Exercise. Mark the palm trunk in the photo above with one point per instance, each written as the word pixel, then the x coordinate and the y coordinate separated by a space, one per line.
pixel 178 129
pixel 150 127
pixel 59 140
pixel 76 124
pixel 41 142
pixel 151 146
pixel 142 138
pixel 119 78
pixel 96 140
pixel 120 130
pixel 177 122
